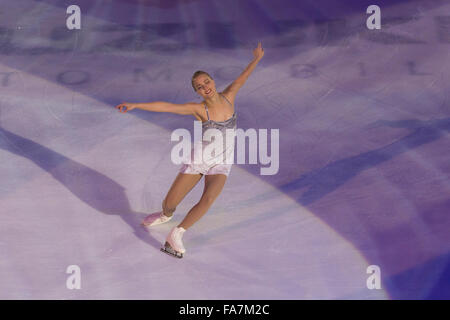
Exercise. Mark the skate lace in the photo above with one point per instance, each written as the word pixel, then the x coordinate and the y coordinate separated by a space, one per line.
pixel 177 234
pixel 163 217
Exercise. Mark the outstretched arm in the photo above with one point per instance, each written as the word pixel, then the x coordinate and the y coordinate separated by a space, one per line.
pixel 231 91
pixel 159 106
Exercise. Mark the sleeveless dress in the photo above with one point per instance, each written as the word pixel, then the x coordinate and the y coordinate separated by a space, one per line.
pixel 213 163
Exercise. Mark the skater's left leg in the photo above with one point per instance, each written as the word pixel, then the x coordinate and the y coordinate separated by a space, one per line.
pixel 213 186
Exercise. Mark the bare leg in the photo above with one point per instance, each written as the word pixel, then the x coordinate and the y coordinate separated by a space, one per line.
pixel 181 186
pixel 213 186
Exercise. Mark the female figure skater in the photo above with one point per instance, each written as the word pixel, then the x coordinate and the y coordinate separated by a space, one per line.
pixel 215 111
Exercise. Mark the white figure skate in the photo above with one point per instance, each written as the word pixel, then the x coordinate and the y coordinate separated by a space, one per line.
pixel 156 218
pixel 174 245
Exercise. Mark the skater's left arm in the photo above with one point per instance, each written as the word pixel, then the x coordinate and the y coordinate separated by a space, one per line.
pixel 231 91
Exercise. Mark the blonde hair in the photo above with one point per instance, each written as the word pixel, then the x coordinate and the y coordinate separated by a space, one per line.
pixel 196 74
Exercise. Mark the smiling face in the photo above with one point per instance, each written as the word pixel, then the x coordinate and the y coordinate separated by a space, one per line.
pixel 204 86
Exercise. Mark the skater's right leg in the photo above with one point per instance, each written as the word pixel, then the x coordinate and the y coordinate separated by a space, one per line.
pixel 181 186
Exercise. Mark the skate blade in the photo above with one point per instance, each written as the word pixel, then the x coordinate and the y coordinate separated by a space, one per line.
pixel 168 249
pixel 145 225
pixel 151 224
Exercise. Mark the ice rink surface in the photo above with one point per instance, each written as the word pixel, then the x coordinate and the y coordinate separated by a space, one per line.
pixel 364 150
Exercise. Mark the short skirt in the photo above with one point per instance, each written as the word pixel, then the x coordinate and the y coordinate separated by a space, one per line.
pixel 206 170
pixel 210 168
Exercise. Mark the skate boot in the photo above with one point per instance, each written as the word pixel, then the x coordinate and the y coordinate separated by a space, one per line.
pixel 156 218
pixel 174 245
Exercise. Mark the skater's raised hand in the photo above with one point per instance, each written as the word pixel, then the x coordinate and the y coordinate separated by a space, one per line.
pixel 258 52
pixel 125 107
pixel 231 91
